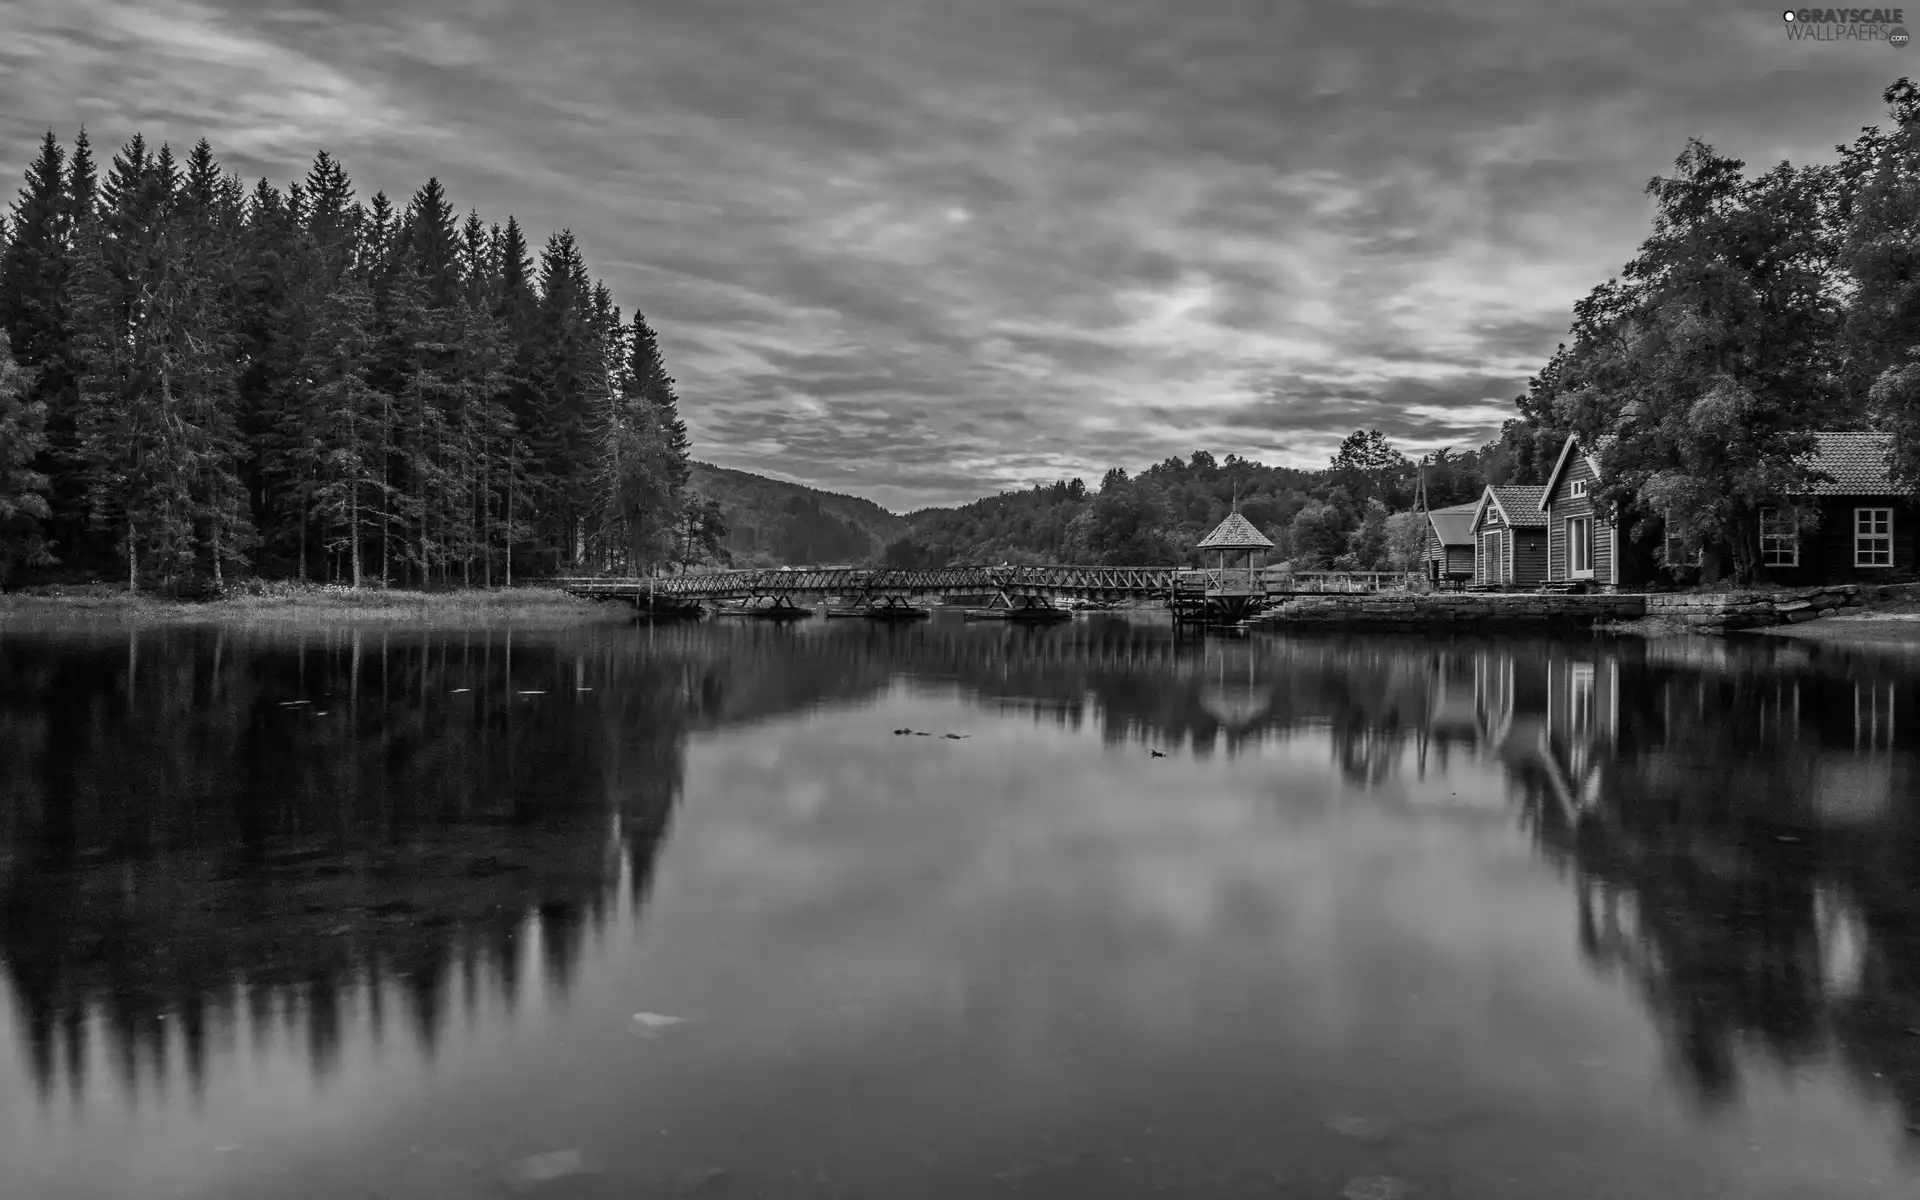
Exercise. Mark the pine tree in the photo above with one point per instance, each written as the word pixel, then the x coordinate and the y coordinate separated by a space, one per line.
pixel 23 504
pixel 35 274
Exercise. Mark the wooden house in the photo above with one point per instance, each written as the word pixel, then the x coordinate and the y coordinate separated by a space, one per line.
pixel 1855 526
pixel 1447 557
pixel 1581 547
pixel 1510 538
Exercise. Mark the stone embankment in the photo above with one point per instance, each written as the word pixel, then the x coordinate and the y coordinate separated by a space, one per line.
pixel 1717 611
pixel 1706 612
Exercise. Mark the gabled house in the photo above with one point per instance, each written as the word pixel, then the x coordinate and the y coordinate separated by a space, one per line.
pixel 1447 557
pixel 1863 524
pixel 1580 546
pixel 1510 538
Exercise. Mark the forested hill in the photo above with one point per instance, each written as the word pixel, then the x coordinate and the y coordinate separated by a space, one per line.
pixel 773 523
pixel 1337 515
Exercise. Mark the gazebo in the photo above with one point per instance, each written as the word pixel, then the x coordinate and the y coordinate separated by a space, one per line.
pixel 1232 591
pixel 1236 538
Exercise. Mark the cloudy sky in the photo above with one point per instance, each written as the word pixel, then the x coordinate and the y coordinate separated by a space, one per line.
pixel 925 251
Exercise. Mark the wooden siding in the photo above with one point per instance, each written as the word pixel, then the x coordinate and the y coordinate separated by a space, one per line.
pixel 1448 562
pixel 1490 568
pixel 1522 557
pixel 1826 553
pixel 1528 557
pixel 1490 556
pixel 1564 506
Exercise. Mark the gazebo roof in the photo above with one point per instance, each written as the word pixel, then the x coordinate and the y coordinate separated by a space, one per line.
pixel 1235 533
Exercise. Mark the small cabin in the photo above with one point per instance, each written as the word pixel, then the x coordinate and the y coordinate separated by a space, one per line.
pixel 1510 538
pixel 1447 557
pixel 1858 525
pixel 1581 547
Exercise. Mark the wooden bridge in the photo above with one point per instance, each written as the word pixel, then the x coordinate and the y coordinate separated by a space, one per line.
pixel 1006 586
pixel 857 583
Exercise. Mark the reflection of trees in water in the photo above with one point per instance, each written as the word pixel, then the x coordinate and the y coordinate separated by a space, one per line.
pixel 199 827
pixel 1744 847
pixel 186 852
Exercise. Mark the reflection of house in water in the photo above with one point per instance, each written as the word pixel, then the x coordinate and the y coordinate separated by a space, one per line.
pixel 1744 846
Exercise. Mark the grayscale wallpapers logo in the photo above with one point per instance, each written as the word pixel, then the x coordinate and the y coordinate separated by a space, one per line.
pixel 1847 25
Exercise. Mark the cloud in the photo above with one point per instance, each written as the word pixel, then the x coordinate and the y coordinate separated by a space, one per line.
pixel 1031 236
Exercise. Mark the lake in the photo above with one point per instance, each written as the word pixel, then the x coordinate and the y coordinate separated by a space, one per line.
pixel 954 910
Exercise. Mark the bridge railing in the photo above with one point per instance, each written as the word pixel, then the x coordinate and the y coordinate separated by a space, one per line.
pixel 1340 582
pixel 1221 579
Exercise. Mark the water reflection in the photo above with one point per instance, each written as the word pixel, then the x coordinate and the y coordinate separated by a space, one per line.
pixel 204 834
pixel 215 849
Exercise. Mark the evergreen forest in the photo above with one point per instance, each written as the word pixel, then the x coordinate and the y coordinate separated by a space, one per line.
pixel 203 381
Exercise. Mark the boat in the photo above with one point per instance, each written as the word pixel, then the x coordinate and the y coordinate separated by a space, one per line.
pixel 880 612
pixel 1025 615
pixel 765 612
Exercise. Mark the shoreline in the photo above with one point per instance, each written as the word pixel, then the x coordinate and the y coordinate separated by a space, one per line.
pixel 292 604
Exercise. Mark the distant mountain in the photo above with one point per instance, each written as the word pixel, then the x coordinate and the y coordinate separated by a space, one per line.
pixel 776 524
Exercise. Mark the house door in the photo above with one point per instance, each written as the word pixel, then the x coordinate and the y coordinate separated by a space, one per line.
pixel 1490 560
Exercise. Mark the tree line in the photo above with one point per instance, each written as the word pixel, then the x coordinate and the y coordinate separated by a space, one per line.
pixel 1356 514
pixel 1763 307
pixel 201 380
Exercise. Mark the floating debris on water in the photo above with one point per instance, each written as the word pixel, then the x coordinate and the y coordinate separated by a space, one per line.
pixel 649 1024
pixel 1377 1187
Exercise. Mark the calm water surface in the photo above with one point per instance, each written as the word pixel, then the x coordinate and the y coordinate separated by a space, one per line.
pixel 619 912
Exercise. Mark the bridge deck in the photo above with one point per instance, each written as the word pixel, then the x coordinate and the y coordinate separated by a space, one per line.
pixel 1095 583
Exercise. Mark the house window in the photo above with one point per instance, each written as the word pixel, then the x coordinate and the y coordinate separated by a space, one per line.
pixel 1579 489
pixel 1873 537
pixel 1779 539
pixel 1580 547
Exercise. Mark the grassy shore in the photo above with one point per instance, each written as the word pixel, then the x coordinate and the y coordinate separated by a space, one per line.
pixel 293 604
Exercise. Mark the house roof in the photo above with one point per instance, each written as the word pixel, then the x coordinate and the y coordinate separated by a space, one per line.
pixel 1235 533
pixel 1519 505
pixel 1454 526
pixel 1559 467
pixel 1856 464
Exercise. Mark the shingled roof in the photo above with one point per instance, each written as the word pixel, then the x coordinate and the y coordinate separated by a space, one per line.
pixel 1235 533
pixel 1856 464
pixel 1520 504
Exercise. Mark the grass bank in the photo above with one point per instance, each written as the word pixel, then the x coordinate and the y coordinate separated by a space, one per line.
pixel 294 604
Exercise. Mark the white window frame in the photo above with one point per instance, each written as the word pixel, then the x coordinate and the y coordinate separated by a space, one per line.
pixel 1578 490
pixel 1567 531
pixel 1873 538
pixel 1779 539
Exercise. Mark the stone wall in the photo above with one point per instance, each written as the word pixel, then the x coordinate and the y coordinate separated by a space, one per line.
pixel 1713 612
